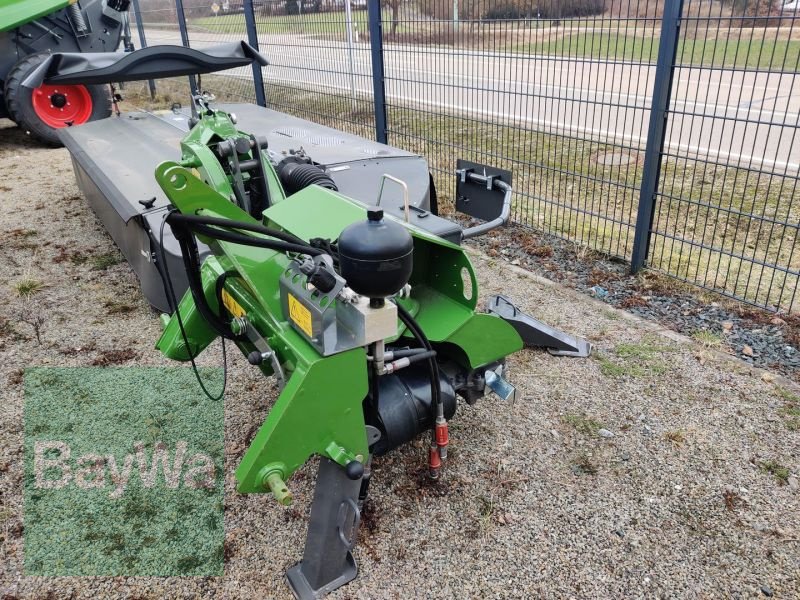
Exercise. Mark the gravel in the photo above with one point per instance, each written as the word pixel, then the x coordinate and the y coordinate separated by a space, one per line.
pixel 756 336
pixel 685 500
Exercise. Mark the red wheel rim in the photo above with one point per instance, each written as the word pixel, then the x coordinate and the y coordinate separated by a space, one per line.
pixel 62 105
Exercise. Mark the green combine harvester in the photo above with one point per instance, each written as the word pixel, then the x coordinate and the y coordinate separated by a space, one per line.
pixel 321 257
pixel 31 30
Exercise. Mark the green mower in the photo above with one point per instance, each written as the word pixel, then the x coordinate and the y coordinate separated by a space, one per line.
pixel 351 292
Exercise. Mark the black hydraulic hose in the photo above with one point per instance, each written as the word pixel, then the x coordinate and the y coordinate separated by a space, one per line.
pixel 433 367
pixel 403 352
pixel 191 264
pixel 249 240
pixel 243 225
pixel 169 290
pixel 426 355
pixel 184 226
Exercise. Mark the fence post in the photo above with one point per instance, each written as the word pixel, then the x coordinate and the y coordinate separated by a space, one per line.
pixel 137 13
pixel 662 88
pixel 185 40
pixel 378 84
pixel 252 38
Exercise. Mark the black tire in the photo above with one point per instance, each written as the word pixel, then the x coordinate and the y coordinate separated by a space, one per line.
pixel 20 105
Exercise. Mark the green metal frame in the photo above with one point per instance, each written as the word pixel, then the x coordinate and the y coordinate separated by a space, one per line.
pixel 319 411
pixel 15 13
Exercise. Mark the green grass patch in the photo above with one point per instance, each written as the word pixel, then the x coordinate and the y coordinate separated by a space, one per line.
pixel 780 472
pixel 793 410
pixel 707 338
pixel 27 287
pixel 583 465
pixel 634 360
pixel 644 350
pixel 101 262
pixel 788 395
pixel 328 24
pixel 582 423
pixel 759 53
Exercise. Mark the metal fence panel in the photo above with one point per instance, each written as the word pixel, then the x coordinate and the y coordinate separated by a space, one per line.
pixel 562 101
pixel 320 67
pixel 561 92
pixel 726 210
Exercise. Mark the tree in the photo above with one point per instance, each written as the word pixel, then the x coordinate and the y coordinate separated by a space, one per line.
pixel 395 6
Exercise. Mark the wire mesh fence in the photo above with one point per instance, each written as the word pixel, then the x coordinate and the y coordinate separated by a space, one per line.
pixel 548 98
pixel 320 67
pixel 563 92
pixel 726 217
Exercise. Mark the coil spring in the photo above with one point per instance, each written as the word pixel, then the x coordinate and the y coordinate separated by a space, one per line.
pixel 76 18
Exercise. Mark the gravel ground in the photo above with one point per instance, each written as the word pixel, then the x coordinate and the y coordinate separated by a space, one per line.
pixel 658 468
pixel 759 337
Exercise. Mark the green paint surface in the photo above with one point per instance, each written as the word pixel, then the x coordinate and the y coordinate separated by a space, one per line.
pixel 14 13
pixel 83 428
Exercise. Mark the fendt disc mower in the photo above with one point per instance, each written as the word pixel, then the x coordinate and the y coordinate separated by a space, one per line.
pixel 31 30
pixel 321 257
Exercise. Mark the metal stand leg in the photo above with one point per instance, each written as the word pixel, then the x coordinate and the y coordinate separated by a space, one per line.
pixel 537 334
pixel 327 561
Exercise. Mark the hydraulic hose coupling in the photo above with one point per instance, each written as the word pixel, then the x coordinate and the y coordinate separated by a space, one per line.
pixel 442 436
pixel 435 462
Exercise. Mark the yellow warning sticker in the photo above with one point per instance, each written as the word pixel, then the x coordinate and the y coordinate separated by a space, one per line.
pixel 232 305
pixel 300 315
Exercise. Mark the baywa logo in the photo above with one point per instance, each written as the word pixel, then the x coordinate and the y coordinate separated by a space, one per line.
pixel 123 473
pixel 54 470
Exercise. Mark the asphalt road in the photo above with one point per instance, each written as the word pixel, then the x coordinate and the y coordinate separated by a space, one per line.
pixel 725 115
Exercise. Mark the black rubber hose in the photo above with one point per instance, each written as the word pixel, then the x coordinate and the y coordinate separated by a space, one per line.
pixel 426 355
pixel 403 352
pixel 243 225
pixel 249 240
pixel 296 176
pixel 191 264
pixel 433 366
pixel 169 290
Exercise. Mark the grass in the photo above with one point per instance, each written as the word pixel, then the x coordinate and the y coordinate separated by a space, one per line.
pixel 787 395
pixel 791 411
pixel 324 23
pixel 777 470
pixel 583 465
pixel 101 262
pixel 27 287
pixel 114 307
pixel 707 339
pixel 747 53
pixel 677 437
pixel 634 360
pixel 582 423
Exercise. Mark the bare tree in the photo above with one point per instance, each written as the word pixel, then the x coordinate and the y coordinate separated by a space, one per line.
pixel 395 6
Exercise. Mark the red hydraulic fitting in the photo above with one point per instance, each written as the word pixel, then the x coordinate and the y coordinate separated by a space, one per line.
pixel 442 436
pixel 435 463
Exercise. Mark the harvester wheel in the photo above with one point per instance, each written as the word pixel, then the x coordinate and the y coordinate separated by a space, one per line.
pixel 48 108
